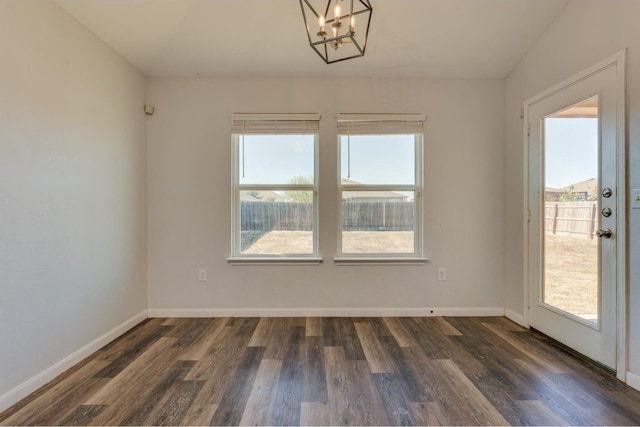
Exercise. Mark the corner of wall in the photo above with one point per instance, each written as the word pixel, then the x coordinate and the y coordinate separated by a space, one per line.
pixel 32 384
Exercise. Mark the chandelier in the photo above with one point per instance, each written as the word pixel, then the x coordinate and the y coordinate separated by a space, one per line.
pixel 337 29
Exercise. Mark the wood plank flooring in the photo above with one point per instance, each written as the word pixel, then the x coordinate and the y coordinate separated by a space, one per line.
pixel 330 371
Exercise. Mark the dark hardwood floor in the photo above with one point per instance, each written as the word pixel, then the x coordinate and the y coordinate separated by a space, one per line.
pixel 330 371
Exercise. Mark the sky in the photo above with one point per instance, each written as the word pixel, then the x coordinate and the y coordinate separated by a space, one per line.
pixel 378 159
pixel 278 159
pixel 275 159
pixel 571 156
pixel 571 151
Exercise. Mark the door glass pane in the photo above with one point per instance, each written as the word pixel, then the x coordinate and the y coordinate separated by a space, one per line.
pixel 571 210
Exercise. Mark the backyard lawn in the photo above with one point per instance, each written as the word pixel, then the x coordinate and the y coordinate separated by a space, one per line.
pixel 571 274
pixel 281 242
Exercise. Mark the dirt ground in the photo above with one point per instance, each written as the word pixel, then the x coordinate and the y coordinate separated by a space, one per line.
pixel 282 242
pixel 377 242
pixel 279 242
pixel 571 274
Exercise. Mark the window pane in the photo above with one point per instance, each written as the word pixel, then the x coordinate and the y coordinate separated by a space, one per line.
pixel 377 159
pixel 276 159
pixel 378 222
pixel 276 222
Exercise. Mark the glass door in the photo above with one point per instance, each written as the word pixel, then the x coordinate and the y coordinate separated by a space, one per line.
pixel 572 264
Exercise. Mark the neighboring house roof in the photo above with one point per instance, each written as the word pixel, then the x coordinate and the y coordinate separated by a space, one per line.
pixel 261 196
pixel 377 195
pixel 387 195
pixel 273 196
pixel 350 182
pixel 588 186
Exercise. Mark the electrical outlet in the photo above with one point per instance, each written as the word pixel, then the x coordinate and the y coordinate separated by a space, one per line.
pixel 635 199
pixel 202 274
pixel 442 274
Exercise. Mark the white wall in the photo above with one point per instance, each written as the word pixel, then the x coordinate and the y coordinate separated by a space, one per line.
pixel 73 219
pixel 586 32
pixel 72 201
pixel 189 172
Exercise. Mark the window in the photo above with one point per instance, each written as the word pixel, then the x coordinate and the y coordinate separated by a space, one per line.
pixel 275 166
pixel 380 185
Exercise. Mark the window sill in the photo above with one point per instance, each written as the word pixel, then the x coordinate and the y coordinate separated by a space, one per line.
pixel 275 260
pixel 345 260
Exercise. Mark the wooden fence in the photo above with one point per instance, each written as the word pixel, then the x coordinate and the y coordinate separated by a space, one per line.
pixel 376 216
pixel 571 218
pixel 356 216
pixel 563 218
pixel 267 216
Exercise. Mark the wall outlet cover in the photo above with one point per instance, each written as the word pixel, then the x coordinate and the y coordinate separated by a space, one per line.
pixel 635 198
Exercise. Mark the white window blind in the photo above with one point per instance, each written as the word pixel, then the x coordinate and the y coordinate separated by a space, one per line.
pixel 380 124
pixel 275 124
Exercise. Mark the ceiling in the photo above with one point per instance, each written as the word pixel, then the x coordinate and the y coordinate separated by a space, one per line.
pixel 266 38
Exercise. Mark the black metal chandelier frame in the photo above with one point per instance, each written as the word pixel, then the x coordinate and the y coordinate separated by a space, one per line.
pixel 322 44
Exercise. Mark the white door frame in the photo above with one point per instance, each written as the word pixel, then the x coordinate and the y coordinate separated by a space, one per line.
pixel 619 61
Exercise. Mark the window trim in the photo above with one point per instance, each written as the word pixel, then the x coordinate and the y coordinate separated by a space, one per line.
pixel 373 258
pixel 237 257
pixel 378 260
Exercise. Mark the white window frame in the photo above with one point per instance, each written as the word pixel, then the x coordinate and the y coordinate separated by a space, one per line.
pixel 384 124
pixel 272 124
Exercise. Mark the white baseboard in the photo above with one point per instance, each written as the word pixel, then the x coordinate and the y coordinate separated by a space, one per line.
pixel 515 317
pixel 13 396
pixel 633 380
pixel 326 312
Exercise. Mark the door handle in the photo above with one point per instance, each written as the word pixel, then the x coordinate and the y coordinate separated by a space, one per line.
pixel 605 232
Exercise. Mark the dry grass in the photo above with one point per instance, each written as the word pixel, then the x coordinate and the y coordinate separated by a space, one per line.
pixel 571 274
pixel 283 242
pixel 377 242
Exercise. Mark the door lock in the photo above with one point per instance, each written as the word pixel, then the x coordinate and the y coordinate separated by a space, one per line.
pixel 605 232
